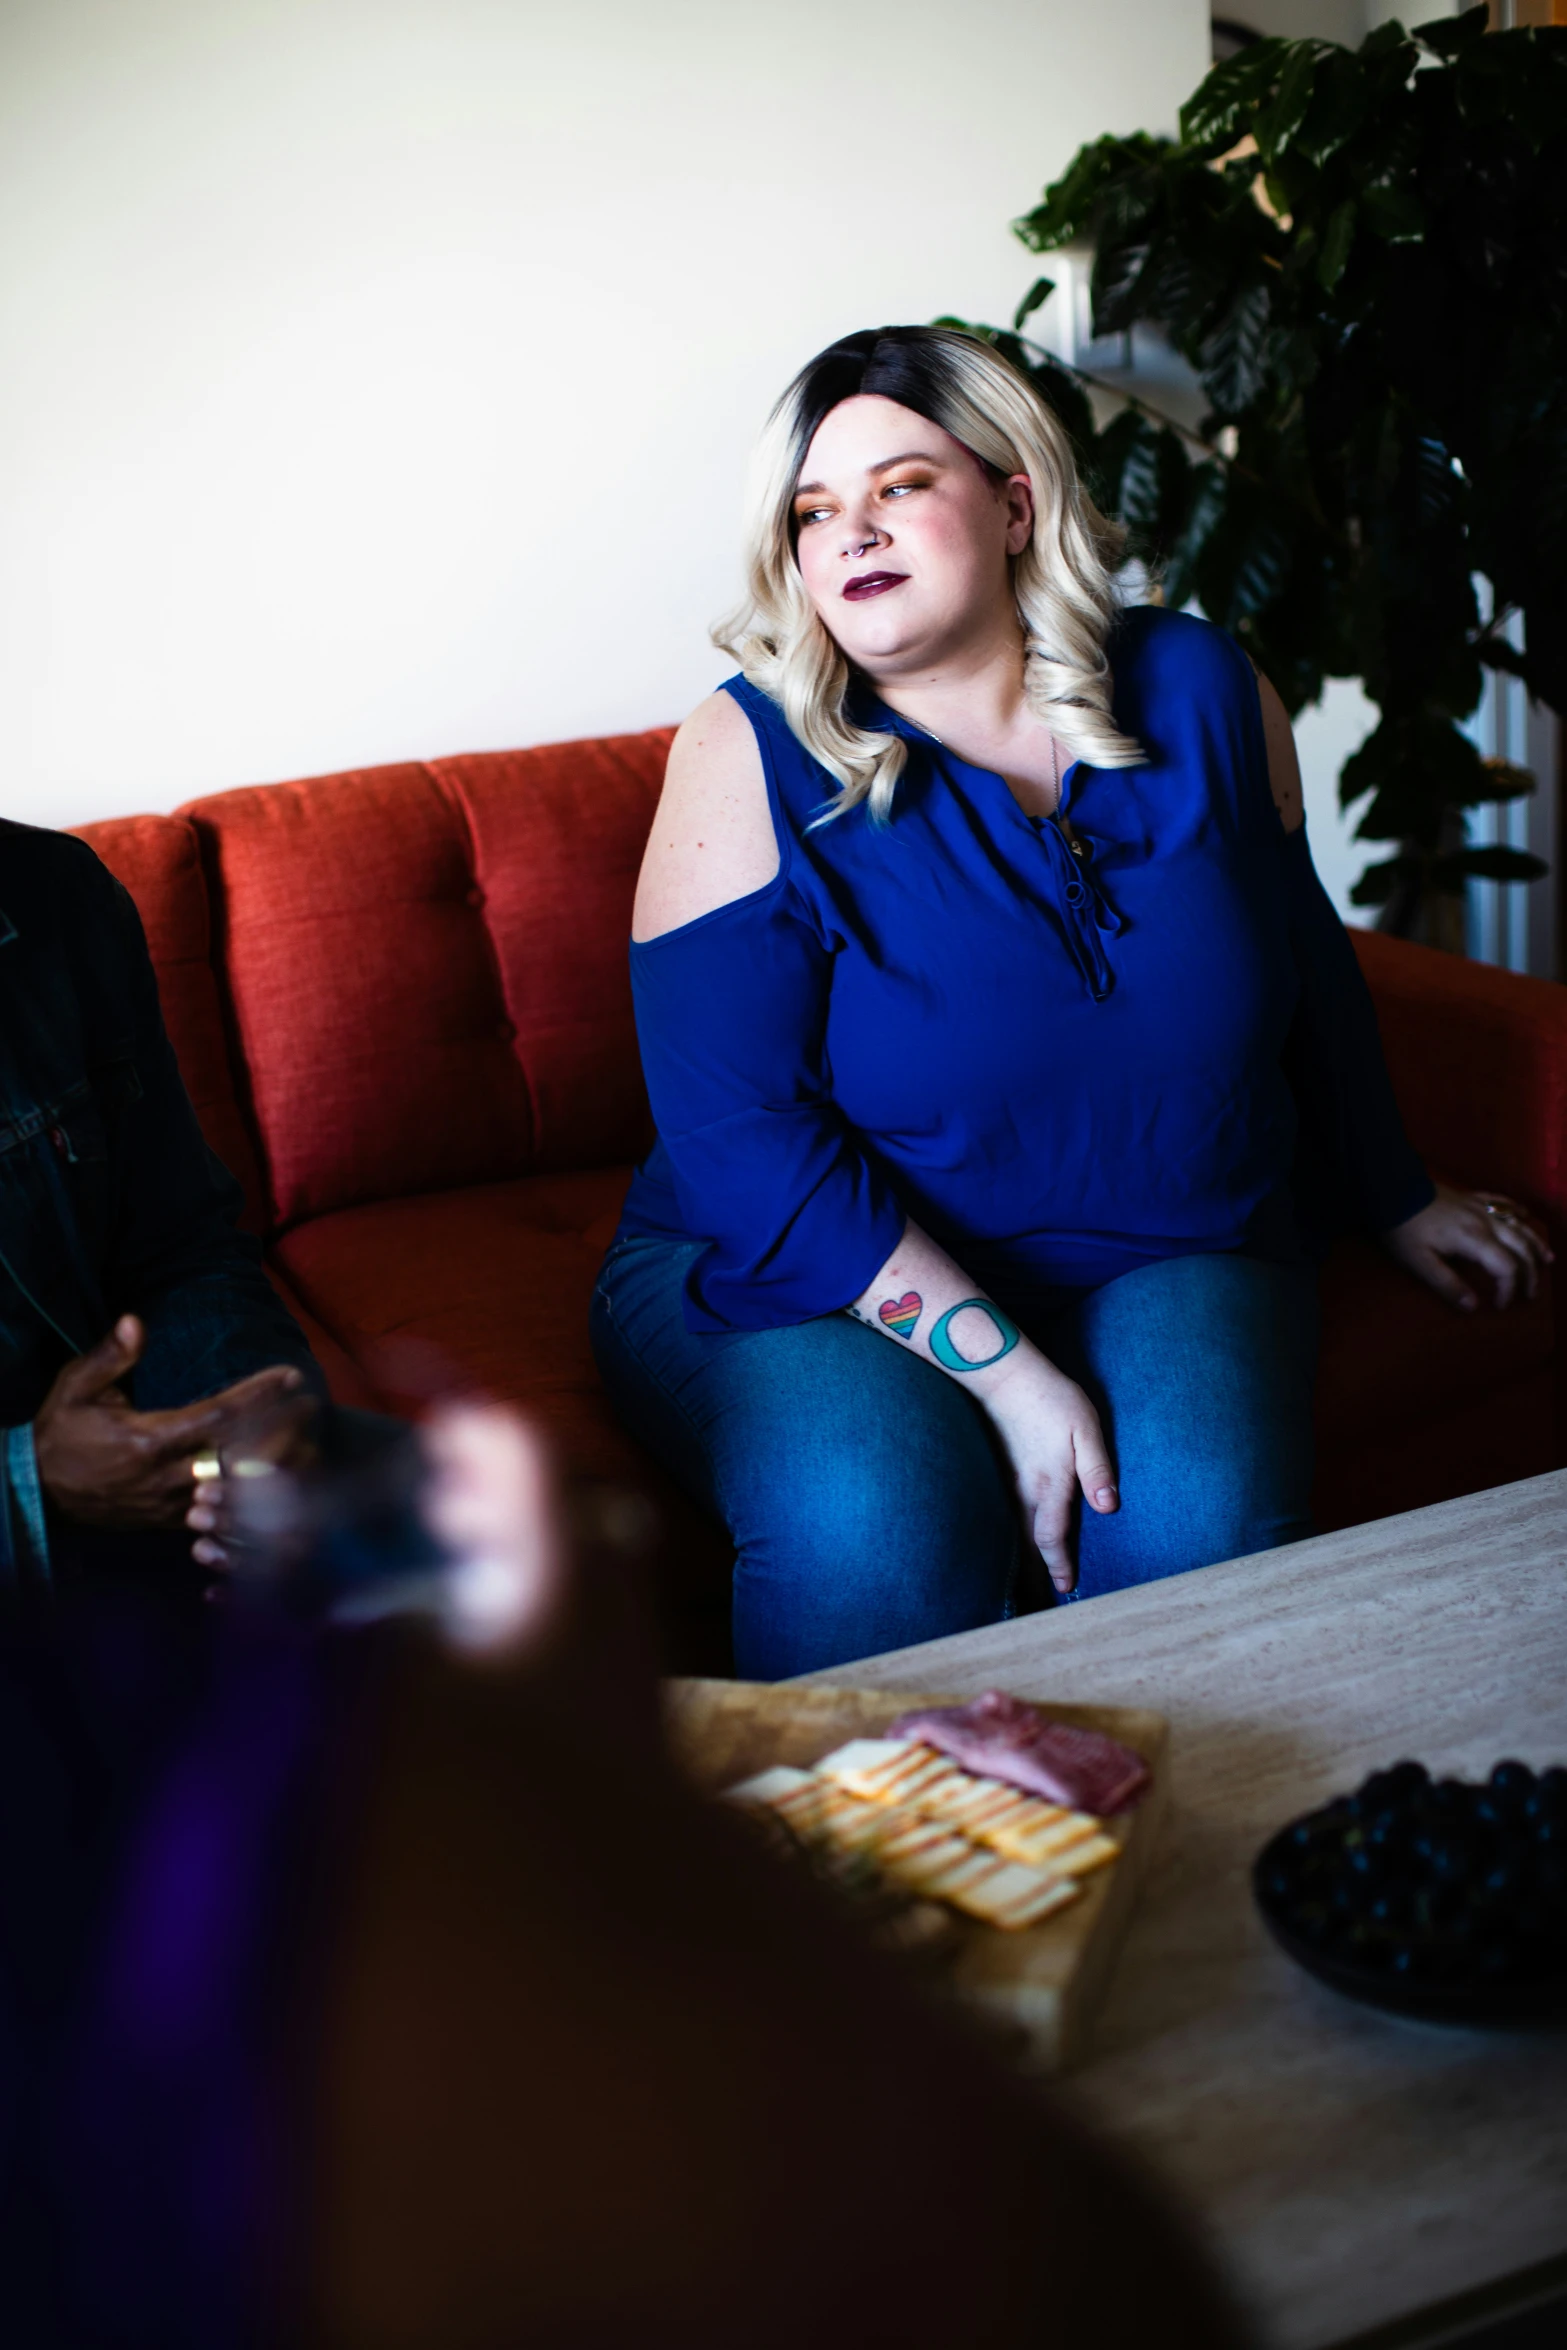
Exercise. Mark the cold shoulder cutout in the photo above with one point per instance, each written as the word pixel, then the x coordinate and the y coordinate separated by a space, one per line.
pixel 714 838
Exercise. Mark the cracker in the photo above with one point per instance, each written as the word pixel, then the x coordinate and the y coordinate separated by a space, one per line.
pixel 768 1786
pixel 1036 1845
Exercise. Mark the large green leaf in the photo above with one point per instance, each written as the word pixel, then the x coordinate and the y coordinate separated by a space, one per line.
pixel 1340 102
pixel 1393 212
pixel 1208 491
pixel 1037 296
pixel 1490 864
pixel 1062 393
pixel 1068 207
pixel 1222 106
pixel 1277 123
pixel 1447 35
pixel 1232 359
pixel 1377 884
pixel 1504 781
pixel 1336 245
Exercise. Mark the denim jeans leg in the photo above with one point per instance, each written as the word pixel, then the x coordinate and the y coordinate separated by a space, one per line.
pixel 866 1496
pixel 1203 1369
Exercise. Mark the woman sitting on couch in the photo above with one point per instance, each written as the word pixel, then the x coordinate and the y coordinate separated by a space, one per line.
pixel 980 967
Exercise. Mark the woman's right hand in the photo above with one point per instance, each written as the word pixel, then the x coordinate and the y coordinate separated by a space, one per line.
pixel 1056 1447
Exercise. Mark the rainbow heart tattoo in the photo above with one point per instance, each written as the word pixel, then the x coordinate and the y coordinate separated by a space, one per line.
pixel 900 1314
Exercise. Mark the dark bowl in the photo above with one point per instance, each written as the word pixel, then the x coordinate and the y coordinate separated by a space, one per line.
pixel 1520 2002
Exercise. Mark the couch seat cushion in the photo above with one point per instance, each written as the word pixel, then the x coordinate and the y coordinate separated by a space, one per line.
pixel 485 1289
pixel 1394 1357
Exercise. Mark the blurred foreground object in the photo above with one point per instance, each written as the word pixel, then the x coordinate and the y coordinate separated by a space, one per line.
pixel 378 1988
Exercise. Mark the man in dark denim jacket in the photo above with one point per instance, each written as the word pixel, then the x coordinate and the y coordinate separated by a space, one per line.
pixel 137 1326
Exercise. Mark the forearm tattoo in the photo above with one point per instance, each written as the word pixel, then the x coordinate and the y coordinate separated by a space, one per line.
pixel 901 1316
pixel 946 1353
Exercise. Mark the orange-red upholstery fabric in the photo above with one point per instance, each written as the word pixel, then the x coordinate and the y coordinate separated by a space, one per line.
pixel 486 1287
pixel 157 859
pixel 427 966
pixel 346 1382
pixel 1479 1063
pixel 364 990
pixel 1401 1381
pixel 557 837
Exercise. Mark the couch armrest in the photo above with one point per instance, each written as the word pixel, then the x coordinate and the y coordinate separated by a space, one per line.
pixel 1478 1059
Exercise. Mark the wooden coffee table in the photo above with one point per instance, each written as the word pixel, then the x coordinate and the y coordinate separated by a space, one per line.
pixel 1363 2179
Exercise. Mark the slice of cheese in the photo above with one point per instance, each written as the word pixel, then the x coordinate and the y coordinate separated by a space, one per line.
pixel 864 1757
pixel 1080 1860
pixel 768 1786
pixel 1035 1907
pixel 996 1807
pixel 1035 1842
pixel 975 1869
pixel 994 1897
pixel 924 1867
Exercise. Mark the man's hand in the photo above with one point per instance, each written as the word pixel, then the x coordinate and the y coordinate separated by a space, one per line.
pixel 102 1463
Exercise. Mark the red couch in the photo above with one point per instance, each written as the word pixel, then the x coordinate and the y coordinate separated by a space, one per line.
pixel 400 1001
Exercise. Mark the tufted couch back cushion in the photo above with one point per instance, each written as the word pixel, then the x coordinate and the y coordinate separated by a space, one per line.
pixel 159 861
pixel 427 967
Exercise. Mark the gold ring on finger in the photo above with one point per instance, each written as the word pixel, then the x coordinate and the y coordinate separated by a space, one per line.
pixel 204 1467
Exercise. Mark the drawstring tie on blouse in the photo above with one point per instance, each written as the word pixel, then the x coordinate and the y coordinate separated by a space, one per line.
pixel 1087 916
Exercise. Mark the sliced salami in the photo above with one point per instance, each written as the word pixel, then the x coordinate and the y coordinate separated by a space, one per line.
pixel 1005 1738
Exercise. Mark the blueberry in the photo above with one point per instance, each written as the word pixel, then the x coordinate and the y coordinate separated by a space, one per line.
pixel 1444 1903
pixel 1378 1792
pixel 1514 1779
pixel 1406 1779
pixel 1452 1856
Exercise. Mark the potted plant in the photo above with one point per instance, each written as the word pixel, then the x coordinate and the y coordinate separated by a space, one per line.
pixel 1363 255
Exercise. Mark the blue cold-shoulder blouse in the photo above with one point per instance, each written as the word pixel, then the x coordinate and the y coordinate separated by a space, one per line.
pixel 1062 1066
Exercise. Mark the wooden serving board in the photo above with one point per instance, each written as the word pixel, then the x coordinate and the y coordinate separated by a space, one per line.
pixel 1046 1980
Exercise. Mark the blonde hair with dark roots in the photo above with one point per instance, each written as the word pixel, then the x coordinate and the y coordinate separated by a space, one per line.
pixel 1063 580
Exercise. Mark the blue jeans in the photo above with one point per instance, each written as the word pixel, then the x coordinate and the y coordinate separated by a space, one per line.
pixel 867 1495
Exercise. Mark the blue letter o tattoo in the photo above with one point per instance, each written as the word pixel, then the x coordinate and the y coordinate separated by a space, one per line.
pixel 947 1354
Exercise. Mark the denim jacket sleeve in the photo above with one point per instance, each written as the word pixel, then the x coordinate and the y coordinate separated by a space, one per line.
pixel 24 1534
pixel 177 1258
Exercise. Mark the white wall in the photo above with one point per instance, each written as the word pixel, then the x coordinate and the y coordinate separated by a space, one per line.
pixel 379 373
pixel 1344 21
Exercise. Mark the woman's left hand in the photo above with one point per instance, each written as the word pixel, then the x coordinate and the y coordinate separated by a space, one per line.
pixel 1487 1229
